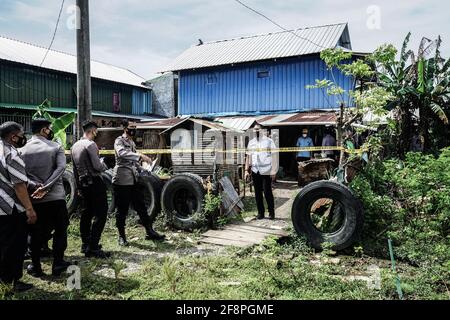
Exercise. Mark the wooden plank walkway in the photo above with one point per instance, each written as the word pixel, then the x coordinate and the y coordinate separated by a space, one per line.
pixel 256 231
pixel 241 235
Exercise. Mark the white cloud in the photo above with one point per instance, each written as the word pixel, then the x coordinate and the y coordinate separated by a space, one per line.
pixel 144 35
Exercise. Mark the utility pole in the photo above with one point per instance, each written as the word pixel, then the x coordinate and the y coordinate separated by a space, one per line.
pixel 84 96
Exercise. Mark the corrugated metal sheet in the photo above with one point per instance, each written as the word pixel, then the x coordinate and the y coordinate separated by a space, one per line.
pixel 304 118
pixel 21 52
pixel 68 110
pixel 239 90
pixel 238 123
pixel 142 102
pixel 263 47
pixel 294 119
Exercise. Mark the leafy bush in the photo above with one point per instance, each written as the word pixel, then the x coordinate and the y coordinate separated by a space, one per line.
pixel 409 201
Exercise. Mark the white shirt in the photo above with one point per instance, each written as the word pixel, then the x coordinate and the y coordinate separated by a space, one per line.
pixel 261 161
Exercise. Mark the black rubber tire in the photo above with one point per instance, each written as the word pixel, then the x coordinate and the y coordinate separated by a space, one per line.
pixel 70 187
pixel 352 221
pixel 184 214
pixel 107 180
pixel 152 187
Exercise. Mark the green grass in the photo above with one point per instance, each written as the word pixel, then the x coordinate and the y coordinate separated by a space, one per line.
pixel 175 269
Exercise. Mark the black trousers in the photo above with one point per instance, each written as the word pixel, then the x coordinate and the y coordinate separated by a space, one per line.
pixel 126 195
pixel 51 217
pixel 13 244
pixel 263 185
pixel 94 212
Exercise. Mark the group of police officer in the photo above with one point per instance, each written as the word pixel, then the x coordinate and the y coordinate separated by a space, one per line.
pixel 32 196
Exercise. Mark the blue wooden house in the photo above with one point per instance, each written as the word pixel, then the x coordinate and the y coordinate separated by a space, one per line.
pixel 257 75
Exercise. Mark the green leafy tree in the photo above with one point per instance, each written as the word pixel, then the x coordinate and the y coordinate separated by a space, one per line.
pixel 59 125
pixel 417 81
pixel 369 97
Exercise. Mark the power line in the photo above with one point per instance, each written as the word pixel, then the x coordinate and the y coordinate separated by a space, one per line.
pixel 54 33
pixel 277 24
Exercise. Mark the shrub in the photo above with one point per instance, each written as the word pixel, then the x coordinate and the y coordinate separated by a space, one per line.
pixel 409 201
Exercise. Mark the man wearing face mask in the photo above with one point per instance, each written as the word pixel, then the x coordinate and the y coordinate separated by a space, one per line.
pixel 88 168
pixel 125 181
pixel 45 163
pixel 16 209
pixel 262 167
pixel 304 142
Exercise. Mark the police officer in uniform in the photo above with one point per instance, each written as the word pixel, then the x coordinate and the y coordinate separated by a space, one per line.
pixel 125 182
pixel 16 209
pixel 88 168
pixel 45 163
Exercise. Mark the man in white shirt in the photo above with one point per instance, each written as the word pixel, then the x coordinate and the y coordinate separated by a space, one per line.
pixel 261 164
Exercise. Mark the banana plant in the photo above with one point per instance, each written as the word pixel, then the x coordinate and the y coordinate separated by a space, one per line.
pixel 59 125
pixel 418 81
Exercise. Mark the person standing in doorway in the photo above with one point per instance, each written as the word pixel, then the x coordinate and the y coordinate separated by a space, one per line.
pixel 262 167
pixel 45 163
pixel 16 209
pixel 304 142
pixel 125 182
pixel 329 141
pixel 88 168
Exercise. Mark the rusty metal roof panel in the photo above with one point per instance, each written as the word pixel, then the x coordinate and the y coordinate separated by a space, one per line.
pixel 304 118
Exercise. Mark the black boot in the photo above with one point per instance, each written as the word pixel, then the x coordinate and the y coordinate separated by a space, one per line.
pixel 122 237
pixel 84 248
pixel 153 235
pixel 20 286
pixel 35 270
pixel 59 267
pixel 95 251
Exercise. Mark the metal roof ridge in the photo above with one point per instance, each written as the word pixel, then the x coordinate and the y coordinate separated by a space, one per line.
pixel 271 33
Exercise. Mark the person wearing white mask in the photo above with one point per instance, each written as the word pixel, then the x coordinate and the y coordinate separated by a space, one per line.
pixel 304 142
pixel 262 167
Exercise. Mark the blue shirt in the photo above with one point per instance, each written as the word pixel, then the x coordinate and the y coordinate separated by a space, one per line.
pixel 304 143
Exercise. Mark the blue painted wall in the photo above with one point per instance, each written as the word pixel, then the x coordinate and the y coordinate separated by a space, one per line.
pixel 141 102
pixel 243 89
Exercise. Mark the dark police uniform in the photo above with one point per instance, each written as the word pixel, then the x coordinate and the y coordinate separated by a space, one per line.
pixel 88 169
pixel 13 225
pixel 45 163
pixel 126 188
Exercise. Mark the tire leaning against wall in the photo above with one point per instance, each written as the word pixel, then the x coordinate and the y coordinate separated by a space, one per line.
pixel 353 215
pixel 70 187
pixel 191 218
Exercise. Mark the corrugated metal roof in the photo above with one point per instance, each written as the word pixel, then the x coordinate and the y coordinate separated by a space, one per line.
pixel 68 110
pixel 263 47
pixel 304 118
pixel 21 52
pixel 239 123
pixel 293 119
pixel 162 124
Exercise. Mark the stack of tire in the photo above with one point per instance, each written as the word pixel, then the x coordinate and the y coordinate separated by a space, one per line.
pixel 181 198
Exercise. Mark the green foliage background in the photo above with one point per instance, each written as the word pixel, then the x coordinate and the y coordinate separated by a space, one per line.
pixel 409 201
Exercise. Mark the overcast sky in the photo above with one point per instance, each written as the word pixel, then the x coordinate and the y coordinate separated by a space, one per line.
pixel 144 35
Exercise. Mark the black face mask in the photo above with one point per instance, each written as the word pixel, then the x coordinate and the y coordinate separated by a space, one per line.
pixel 50 135
pixel 21 142
pixel 131 132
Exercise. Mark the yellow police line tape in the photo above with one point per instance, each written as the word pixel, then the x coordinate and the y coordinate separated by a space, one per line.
pixel 236 150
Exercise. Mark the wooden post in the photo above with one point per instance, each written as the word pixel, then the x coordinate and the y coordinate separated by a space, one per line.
pixel 84 96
